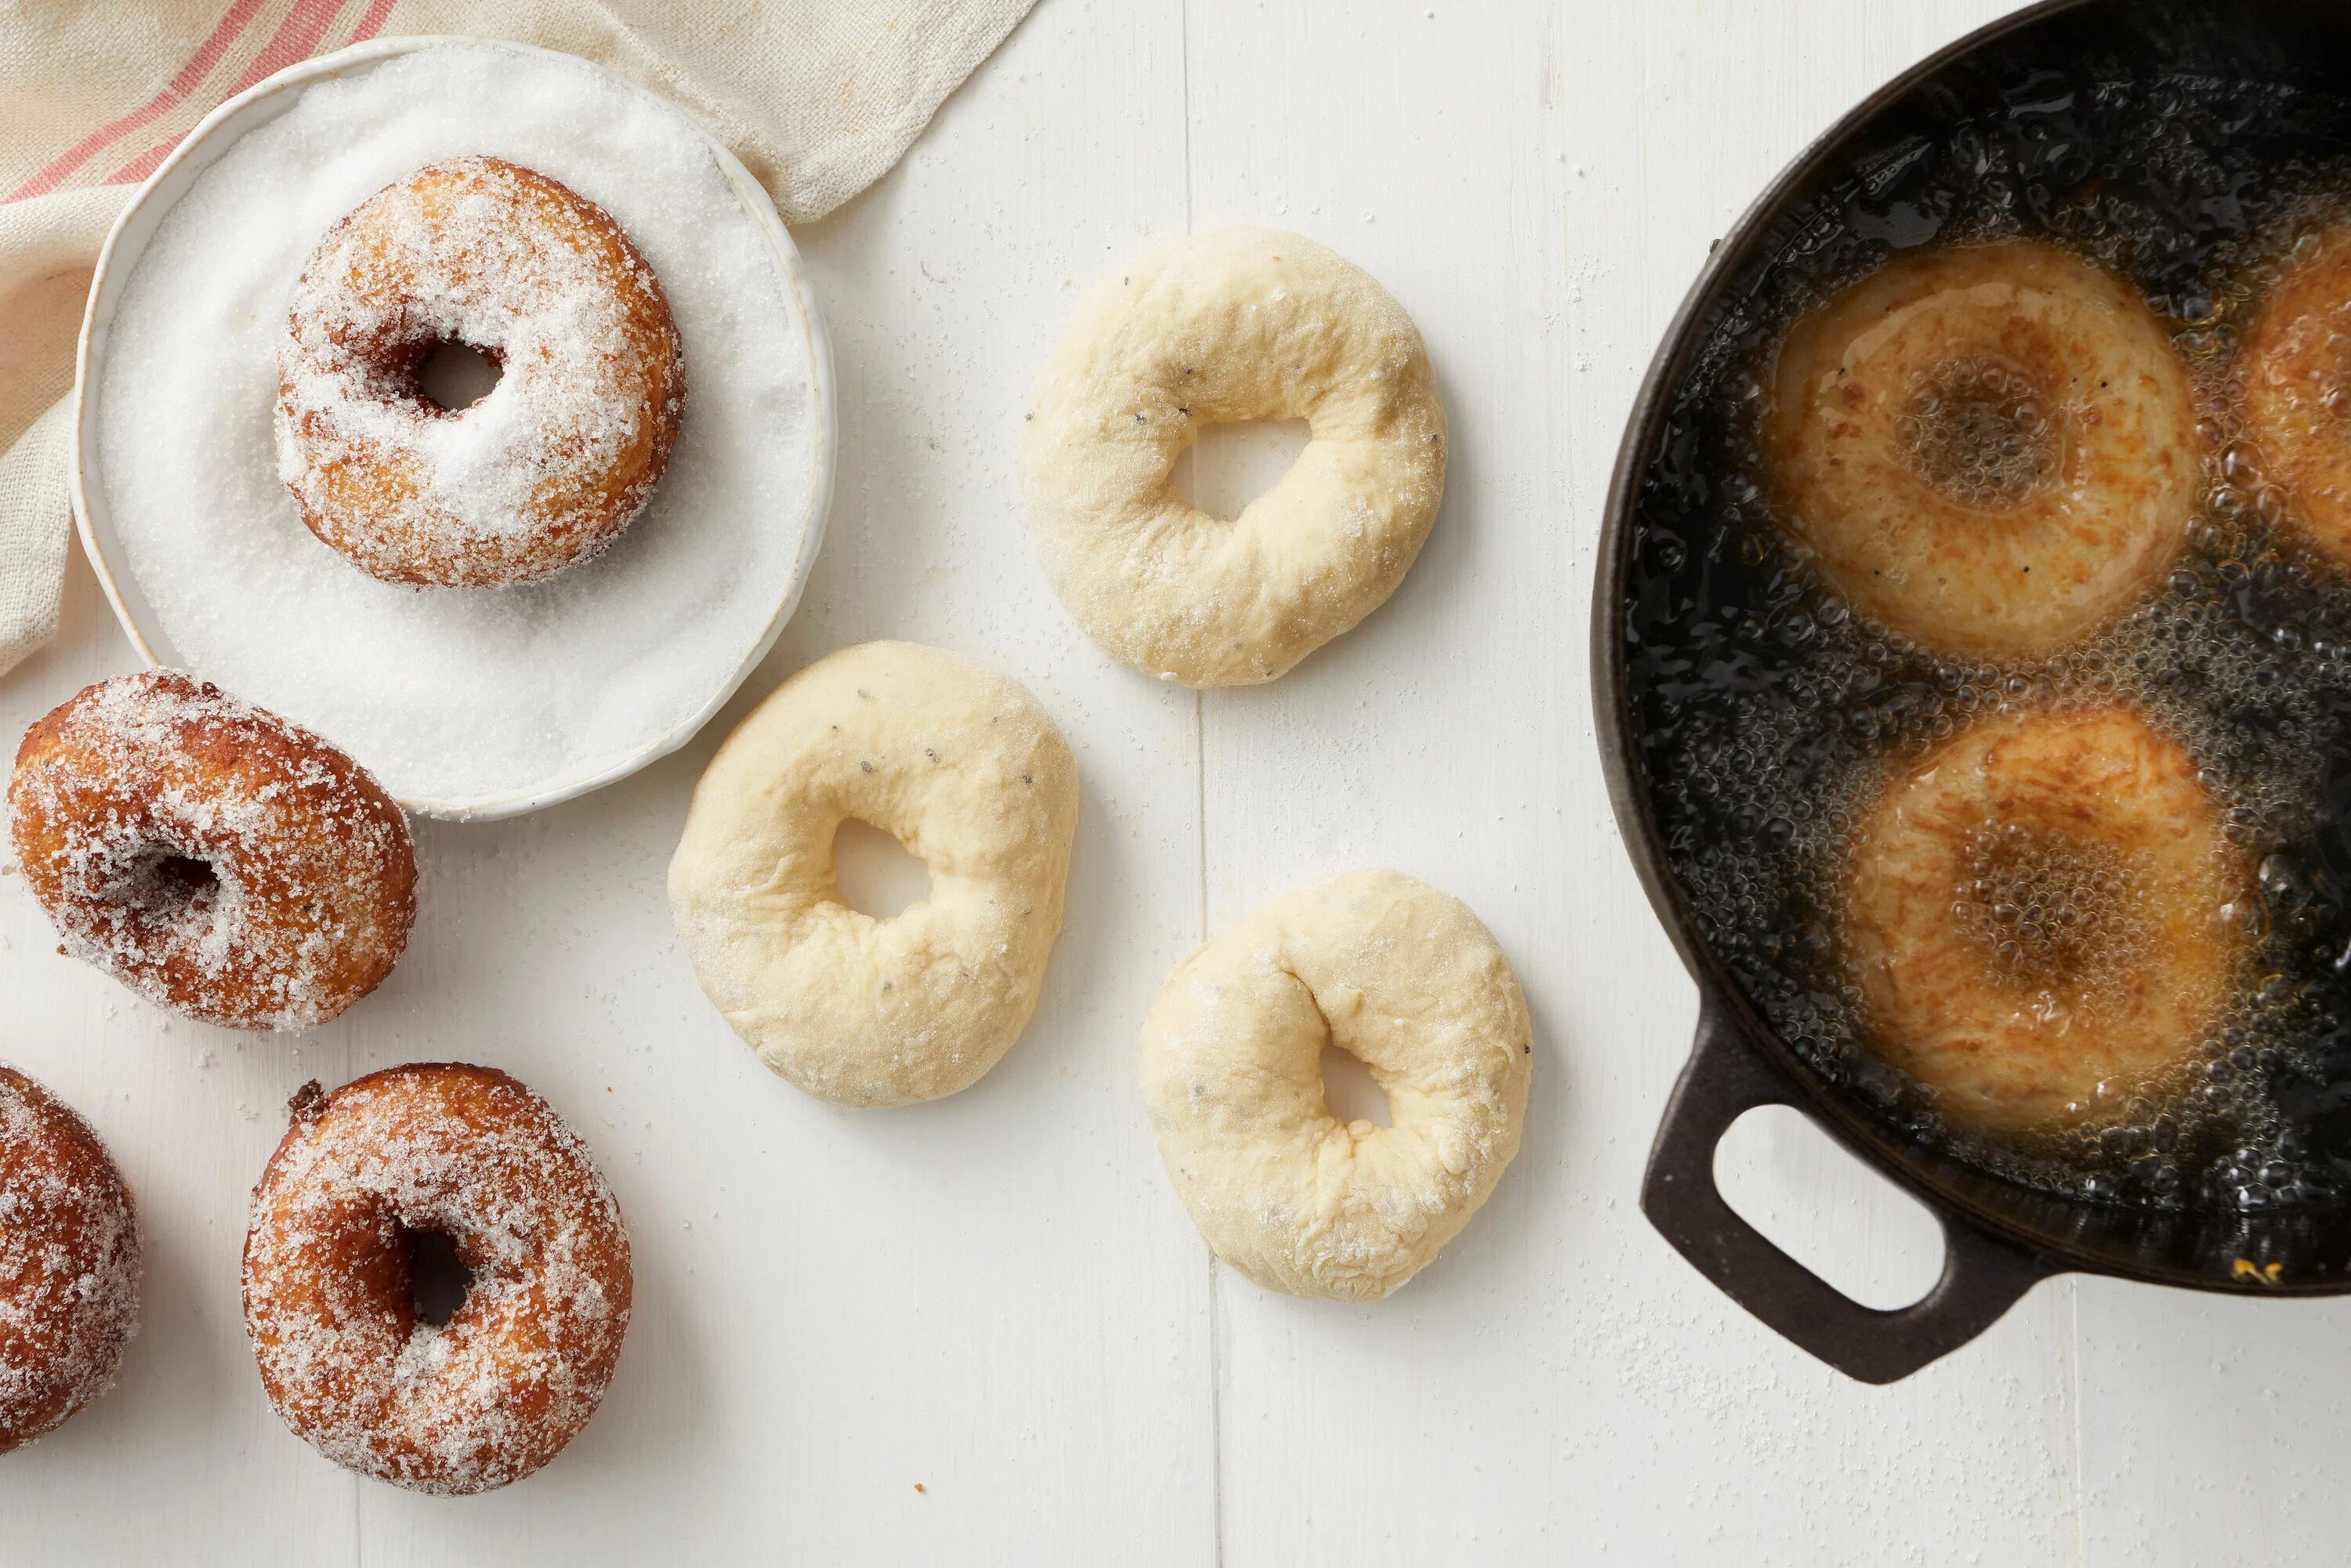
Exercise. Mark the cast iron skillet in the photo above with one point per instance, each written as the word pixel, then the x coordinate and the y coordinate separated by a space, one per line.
pixel 2001 1238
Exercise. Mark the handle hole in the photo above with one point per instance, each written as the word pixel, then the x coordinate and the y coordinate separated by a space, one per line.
pixel 1822 1206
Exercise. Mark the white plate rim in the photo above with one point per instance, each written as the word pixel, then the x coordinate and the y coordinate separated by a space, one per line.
pixel 211 136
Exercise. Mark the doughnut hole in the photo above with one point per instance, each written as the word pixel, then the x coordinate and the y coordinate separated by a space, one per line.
pixel 2059 918
pixel 437 1276
pixel 874 873
pixel 162 888
pixel 1350 1091
pixel 1979 430
pixel 1230 466
pixel 179 882
pixel 453 376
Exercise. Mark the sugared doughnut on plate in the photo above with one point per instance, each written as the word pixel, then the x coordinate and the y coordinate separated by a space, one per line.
pixel 2039 917
pixel 1992 449
pixel 213 858
pixel 1392 972
pixel 69 1262
pixel 446 1150
pixel 965 768
pixel 2297 384
pixel 547 468
pixel 1241 324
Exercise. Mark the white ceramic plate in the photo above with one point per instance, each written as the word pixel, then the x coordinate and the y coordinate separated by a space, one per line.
pixel 128 240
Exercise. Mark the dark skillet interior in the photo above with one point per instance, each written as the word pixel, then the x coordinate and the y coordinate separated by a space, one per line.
pixel 1694 595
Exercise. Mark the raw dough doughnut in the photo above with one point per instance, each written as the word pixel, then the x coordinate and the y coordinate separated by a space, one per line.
pixel 2039 917
pixel 547 468
pixel 1397 974
pixel 1993 449
pixel 2297 372
pixel 1242 324
pixel 434 1148
pixel 971 775
pixel 68 1263
pixel 213 858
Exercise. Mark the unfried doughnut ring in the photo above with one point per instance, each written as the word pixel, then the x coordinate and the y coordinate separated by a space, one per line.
pixel 969 773
pixel 1399 975
pixel 1241 324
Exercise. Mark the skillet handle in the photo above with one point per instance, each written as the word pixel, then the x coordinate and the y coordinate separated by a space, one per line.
pixel 1726 1078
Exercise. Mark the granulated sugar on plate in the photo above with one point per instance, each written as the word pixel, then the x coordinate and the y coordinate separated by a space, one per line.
pixel 458 697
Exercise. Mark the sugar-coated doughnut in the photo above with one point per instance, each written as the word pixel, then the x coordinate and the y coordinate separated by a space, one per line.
pixel 1241 324
pixel 965 768
pixel 465 1152
pixel 69 1262
pixel 2038 918
pixel 547 468
pixel 1993 449
pixel 1396 974
pixel 211 856
pixel 2297 384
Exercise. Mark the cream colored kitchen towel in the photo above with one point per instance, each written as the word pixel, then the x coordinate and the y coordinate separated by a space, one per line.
pixel 818 97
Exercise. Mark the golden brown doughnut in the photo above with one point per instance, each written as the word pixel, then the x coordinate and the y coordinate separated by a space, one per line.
pixel 547 468
pixel 2038 918
pixel 1992 449
pixel 213 858
pixel 2297 384
pixel 69 1262
pixel 468 1153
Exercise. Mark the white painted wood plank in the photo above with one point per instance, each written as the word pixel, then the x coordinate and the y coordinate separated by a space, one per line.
pixel 1541 191
pixel 2214 1429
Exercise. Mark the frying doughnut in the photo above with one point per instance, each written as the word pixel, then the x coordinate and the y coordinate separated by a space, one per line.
pixel 1992 449
pixel 2039 917
pixel 68 1263
pixel 211 856
pixel 966 770
pixel 2297 382
pixel 465 1152
pixel 1242 324
pixel 546 470
pixel 1392 972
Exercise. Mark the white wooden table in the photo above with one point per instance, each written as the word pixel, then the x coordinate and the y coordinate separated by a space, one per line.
pixel 983 1330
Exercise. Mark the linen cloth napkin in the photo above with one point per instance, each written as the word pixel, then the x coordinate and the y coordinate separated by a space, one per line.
pixel 818 97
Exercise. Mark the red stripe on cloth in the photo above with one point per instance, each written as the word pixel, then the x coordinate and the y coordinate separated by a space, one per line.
pixel 294 38
pixel 199 65
pixel 138 168
pixel 372 22
pixel 297 34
